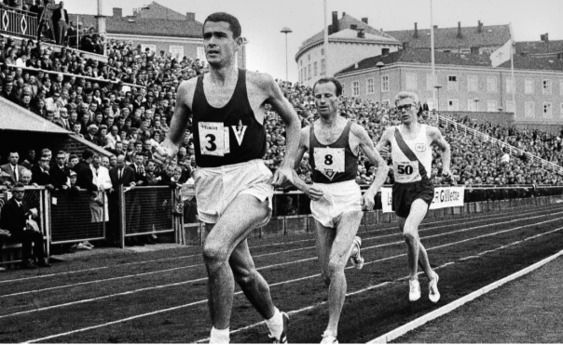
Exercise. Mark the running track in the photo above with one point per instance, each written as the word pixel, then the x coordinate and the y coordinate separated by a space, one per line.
pixel 157 297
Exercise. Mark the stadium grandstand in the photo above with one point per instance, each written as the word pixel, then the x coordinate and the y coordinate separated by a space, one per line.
pixel 75 111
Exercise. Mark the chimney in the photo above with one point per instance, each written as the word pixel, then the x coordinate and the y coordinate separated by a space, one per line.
pixel 353 26
pixel 479 26
pixel 405 45
pixel 117 12
pixel 361 33
pixel 415 30
pixel 545 37
pixel 459 35
pixel 365 20
pixel 334 27
pixel 190 16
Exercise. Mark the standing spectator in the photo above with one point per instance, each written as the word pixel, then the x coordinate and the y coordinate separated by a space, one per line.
pixel 120 175
pixel 60 171
pixel 60 23
pixel 84 176
pixel 41 174
pixel 14 218
pixel 12 168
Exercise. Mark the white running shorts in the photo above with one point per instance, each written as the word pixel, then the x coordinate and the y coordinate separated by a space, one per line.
pixel 338 198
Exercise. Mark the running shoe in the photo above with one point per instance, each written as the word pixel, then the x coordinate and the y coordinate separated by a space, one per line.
pixel 283 336
pixel 328 339
pixel 433 293
pixel 357 260
pixel 414 290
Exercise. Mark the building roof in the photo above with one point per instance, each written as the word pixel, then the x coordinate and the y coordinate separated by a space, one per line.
pixel 490 36
pixel 539 47
pixel 423 56
pixel 15 118
pixel 151 20
pixel 344 24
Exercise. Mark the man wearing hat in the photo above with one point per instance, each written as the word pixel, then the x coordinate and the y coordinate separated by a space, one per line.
pixel 15 218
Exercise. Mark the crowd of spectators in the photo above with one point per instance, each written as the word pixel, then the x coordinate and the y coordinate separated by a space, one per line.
pixel 125 106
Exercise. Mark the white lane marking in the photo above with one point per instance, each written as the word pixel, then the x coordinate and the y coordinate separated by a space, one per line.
pixel 480 217
pixel 394 334
pixel 274 265
pixel 239 292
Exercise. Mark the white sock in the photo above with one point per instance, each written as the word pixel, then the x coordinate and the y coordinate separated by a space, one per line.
pixel 219 336
pixel 275 324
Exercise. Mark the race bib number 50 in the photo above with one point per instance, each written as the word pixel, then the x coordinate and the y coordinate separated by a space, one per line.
pixel 213 138
pixel 329 161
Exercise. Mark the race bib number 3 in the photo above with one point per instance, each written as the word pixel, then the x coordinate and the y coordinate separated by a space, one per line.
pixel 329 161
pixel 213 139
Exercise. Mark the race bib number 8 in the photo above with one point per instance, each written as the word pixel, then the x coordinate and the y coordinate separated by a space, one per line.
pixel 213 139
pixel 329 161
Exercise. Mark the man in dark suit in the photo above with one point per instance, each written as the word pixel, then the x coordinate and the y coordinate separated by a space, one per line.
pixel 12 168
pixel 60 171
pixel 84 175
pixel 120 175
pixel 60 23
pixel 13 218
pixel 41 173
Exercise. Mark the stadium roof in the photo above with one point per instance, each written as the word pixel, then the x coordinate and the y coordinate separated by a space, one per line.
pixel 15 118
pixel 423 56
pixel 471 36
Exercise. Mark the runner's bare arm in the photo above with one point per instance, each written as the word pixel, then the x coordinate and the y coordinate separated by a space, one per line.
pixel 313 193
pixel 282 106
pixel 438 140
pixel 384 142
pixel 367 146
pixel 182 113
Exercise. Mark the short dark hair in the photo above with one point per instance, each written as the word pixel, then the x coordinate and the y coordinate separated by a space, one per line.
pixel 87 154
pixel 234 24
pixel 330 80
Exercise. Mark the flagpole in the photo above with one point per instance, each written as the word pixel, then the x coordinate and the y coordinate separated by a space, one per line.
pixel 432 60
pixel 325 37
pixel 512 68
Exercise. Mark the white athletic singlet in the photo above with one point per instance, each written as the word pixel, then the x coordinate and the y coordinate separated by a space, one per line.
pixel 406 171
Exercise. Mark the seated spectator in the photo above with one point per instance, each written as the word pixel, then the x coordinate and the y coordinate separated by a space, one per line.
pixel 16 219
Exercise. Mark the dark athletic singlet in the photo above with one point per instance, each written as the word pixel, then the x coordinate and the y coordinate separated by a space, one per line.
pixel 226 135
pixel 334 162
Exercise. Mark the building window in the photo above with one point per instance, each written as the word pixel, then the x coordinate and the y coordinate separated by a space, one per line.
pixel 323 67
pixel 492 105
pixel 547 110
pixel 370 86
pixel 385 83
pixel 509 85
pixel 315 68
pixel 472 105
pixel 308 57
pixel 529 87
pixel 561 88
pixel 177 52
pixel 510 107
pixel 491 84
pixel 309 71
pixel 429 82
pixel 546 86
pixel 322 51
pixel 412 83
pixel 452 83
pixel 355 88
pixel 152 47
pixel 472 85
pixel 453 105
pixel 561 110
pixel 530 109
pixel 384 51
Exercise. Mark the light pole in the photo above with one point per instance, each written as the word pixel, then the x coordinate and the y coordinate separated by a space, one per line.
pixel 438 87
pixel 380 65
pixel 285 30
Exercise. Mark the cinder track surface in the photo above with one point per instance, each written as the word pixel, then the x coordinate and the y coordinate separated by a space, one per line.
pixel 160 296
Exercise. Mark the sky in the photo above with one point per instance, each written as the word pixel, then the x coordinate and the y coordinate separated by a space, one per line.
pixel 262 20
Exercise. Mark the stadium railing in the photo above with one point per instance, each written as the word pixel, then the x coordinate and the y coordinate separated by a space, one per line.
pixel 18 22
pixel 513 151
